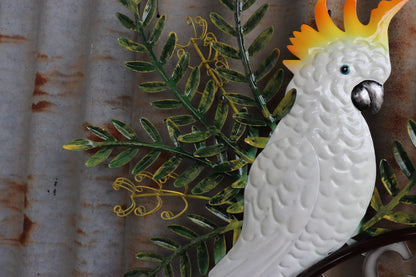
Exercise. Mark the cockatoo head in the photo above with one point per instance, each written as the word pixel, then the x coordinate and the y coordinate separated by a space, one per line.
pixel 350 65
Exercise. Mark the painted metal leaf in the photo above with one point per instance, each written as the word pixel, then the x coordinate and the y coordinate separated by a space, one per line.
pixel 185 265
pixel 130 4
pixel 149 257
pixel 137 273
pixel 247 4
pixel 192 84
pixel 202 256
pixel 260 42
pixel 267 65
pixel 198 145
pixel 388 178
pixel 153 86
pixel 210 151
pixel 221 114
pixel 258 142
pixel 168 48
pixel 181 67
pixel 222 24
pixel 249 119
pixel 228 4
pixel 224 196
pixel 195 137
pixel 174 132
pixel 150 129
pixel 402 217
pixel 240 183
pixel 377 231
pixel 146 161
pixel 182 120
pixel 167 168
pixel 284 106
pixel 376 202
pixel 229 166
pixel 402 159
pixel 273 85
pixel 220 212
pixel 123 158
pixel 101 133
pixel 408 199
pixel 79 145
pixel 149 12
pixel 207 184
pixel 183 231
pixel 140 66
pixel 236 234
pixel 157 30
pixel 255 19
pixel 124 129
pixel 207 97
pixel 201 221
pixel 126 21
pixel 167 104
pixel 131 45
pixel 165 243
pixel 237 131
pixel 226 50
pixel 411 128
pixel 236 208
pixel 220 248
pixel 169 270
pixel 189 175
pixel 231 75
pixel 240 99
pixel 99 157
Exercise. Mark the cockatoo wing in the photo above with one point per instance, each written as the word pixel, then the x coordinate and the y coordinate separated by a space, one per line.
pixel 279 198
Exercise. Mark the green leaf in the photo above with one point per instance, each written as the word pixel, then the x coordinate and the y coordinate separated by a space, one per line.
pixel 207 184
pixel 149 12
pixel 198 145
pixel 260 42
pixel 126 21
pixel 201 221
pixel 190 174
pixel 267 65
pixel 236 208
pixel 231 75
pixel 228 4
pixel 137 273
pixel 411 129
pixel 131 45
pixel 168 48
pixel 388 178
pixel 174 132
pixel 220 212
pixel 207 97
pixel 224 196
pixel 167 168
pixel 240 183
pixel 185 265
pixel 79 145
pixel 130 4
pixel 255 19
pixel 408 218
pixel 222 24
pixel 226 50
pixel 249 119
pixel 376 202
pixel 169 271
pixel 181 67
pixel 220 248
pixel 408 199
pixel 146 161
pixel 273 85
pixel 165 243
pixel 376 231
pixel 247 4
pixel 124 129
pixel 157 30
pixel 237 131
pixel 101 133
pixel 140 66
pixel 285 105
pixel 202 255
pixel 195 137
pixel 149 257
pixel 402 159
pixel 182 120
pixel 210 151
pixel 229 166
pixel 99 157
pixel 193 83
pixel 183 231
pixel 240 99
pixel 167 104
pixel 123 158
pixel 153 86
pixel 150 129
pixel 221 114
pixel 258 142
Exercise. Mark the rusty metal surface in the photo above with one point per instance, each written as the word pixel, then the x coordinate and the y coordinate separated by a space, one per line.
pixel 62 69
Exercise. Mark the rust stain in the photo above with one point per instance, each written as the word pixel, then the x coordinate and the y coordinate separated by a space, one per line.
pixel 42 56
pixel 27 228
pixel 40 80
pixel 121 101
pixel 103 57
pixel 113 131
pixel 12 39
pixel 41 106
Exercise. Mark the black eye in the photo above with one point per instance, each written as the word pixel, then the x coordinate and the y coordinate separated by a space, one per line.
pixel 345 69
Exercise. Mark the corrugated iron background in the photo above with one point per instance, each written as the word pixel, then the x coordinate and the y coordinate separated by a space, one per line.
pixel 62 69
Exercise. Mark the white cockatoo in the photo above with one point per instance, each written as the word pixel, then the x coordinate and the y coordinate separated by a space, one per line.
pixel 310 187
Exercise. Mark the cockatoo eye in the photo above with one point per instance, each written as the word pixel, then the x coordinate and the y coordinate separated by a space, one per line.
pixel 345 69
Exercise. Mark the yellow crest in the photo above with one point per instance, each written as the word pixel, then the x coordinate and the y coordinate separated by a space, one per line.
pixel 376 30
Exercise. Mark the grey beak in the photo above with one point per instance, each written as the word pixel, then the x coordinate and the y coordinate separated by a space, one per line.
pixel 368 95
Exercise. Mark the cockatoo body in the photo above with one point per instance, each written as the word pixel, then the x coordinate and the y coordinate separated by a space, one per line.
pixel 310 187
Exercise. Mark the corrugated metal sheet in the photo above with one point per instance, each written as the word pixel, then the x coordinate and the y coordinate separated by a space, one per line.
pixel 61 69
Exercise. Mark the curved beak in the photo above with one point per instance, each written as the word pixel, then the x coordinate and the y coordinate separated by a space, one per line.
pixel 368 95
